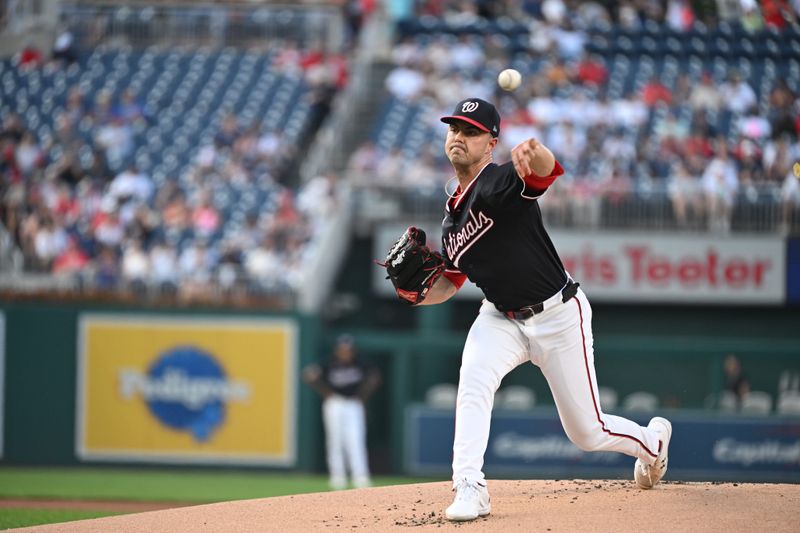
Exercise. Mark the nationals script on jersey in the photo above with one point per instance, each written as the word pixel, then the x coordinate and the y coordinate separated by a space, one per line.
pixel 493 233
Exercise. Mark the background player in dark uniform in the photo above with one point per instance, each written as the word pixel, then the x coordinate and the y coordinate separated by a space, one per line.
pixel 345 383
pixel 493 234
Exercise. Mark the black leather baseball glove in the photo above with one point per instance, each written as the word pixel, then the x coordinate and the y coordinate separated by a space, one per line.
pixel 412 266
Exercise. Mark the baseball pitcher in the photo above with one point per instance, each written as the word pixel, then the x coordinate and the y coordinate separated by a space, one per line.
pixel 493 234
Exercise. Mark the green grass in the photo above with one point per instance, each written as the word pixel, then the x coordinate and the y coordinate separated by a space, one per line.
pixel 191 486
pixel 10 518
pixel 145 484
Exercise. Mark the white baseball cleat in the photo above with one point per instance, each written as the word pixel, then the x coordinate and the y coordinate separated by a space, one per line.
pixel 337 483
pixel 647 476
pixel 471 501
pixel 362 482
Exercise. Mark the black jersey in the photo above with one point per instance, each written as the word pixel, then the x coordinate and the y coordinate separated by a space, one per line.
pixel 345 379
pixel 494 234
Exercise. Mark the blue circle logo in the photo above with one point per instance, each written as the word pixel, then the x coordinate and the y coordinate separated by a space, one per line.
pixel 188 390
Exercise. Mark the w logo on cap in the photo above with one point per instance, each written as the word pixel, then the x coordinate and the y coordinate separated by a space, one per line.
pixel 480 113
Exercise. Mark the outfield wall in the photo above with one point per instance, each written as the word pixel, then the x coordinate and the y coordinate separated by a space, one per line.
pixel 533 444
pixel 103 385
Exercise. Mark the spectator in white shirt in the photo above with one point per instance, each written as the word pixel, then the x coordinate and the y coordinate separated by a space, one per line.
pixel 135 264
pixel 704 95
pixel 131 184
pixel 109 231
pixel 405 82
pixel 737 95
pixel 49 242
pixel 28 154
pixel 630 111
pixel 263 264
pixel 196 265
pixel 164 266
pixel 790 197
pixel 465 54
pixel 406 52
pixel 567 140
pixel 720 184
pixel 116 138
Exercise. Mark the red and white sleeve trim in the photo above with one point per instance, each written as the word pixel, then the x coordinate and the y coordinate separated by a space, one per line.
pixel 534 186
pixel 455 277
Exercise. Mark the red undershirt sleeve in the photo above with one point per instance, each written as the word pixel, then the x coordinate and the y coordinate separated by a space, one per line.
pixel 537 185
pixel 455 277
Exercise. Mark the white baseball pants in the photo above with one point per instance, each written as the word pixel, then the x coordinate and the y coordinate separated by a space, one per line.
pixel 559 341
pixel 346 440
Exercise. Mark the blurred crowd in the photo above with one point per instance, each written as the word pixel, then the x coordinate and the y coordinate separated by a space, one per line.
pixel 78 206
pixel 703 142
pixel 678 14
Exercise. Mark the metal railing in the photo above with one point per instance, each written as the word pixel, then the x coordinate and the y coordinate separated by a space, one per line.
pixel 755 210
pixel 21 16
pixel 203 24
pixel 11 259
pixel 245 293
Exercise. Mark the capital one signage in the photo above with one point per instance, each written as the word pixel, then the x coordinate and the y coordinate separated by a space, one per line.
pixel 678 268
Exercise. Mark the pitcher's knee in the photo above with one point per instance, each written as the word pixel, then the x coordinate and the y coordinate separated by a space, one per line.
pixel 476 381
pixel 474 398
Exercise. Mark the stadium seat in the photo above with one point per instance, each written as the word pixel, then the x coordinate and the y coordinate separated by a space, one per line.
pixel 756 403
pixel 515 397
pixel 608 397
pixel 789 380
pixel 788 403
pixel 442 396
pixel 727 402
pixel 640 401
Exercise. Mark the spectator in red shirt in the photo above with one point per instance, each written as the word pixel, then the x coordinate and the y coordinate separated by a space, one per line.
pixel 654 92
pixel 699 141
pixel 311 58
pixel 30 57
pixel 776 13
pixel 592 71
pixel 71 260
pixel 286 214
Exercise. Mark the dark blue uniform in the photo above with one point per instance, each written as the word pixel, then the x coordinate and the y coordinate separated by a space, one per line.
pixel 494 234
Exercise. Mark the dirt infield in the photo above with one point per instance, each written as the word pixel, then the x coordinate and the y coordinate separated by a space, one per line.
pixel 556 506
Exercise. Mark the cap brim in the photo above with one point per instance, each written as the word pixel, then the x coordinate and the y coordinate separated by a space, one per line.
pixel 448 120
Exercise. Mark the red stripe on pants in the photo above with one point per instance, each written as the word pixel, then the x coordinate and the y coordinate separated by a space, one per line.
pixel 591 389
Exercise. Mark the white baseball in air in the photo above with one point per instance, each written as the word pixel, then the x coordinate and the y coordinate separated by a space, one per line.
pixel 509 79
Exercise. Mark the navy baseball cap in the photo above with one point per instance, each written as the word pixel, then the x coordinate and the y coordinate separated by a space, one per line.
pixel 346 338
pixel 477 112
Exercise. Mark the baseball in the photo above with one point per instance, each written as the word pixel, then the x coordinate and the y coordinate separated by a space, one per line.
pixel 509 79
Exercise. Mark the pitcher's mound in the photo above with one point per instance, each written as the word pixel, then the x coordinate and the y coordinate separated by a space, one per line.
pixel 565 506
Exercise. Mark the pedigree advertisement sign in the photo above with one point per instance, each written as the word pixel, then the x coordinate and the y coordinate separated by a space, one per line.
pixel 166 389
pixel 676 268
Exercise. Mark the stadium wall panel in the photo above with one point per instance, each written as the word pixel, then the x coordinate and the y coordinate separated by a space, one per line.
pixel 793 271
pixel 43 394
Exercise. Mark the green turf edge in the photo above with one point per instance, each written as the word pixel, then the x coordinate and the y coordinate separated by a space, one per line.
pixel 12 517
pixel 177 485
